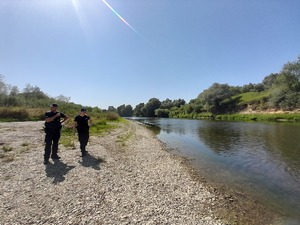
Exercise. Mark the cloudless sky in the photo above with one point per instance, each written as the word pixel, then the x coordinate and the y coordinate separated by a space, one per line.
pixel 140 49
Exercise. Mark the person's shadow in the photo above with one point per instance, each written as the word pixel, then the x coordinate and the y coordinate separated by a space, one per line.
pixel 90 161
pixel 57 170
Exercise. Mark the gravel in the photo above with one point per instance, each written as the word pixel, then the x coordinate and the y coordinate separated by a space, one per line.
pixel 127 178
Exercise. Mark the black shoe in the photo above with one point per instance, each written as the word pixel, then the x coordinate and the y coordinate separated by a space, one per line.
pixel 83 153
pixel 55 157
pixel 46 161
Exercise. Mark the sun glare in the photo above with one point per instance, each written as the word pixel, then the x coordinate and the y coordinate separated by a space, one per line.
pixel 81 18
pixel 76 7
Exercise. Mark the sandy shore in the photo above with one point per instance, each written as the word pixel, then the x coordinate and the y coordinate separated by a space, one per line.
pixel 127 178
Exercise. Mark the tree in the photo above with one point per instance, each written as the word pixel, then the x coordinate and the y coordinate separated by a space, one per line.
pixel 33 96
pixel 121 109
pixel 213 98
pixel 285 91
pixel 162 113
pixel 33 92
pixel 189 108
pixel 128 112
pixel 269 80
pixel 112 109
pixel 151 106
pixel 3 90
pixel 138 110
pixel 166 104
pixel 62 98
pixel 3 86
pixel 96 110
pixel 179 102
pixel 11 101
pixel 125 110
pixel 292 68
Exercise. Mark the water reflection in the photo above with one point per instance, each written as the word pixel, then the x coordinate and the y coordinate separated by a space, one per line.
pixel 218 136
pixel 266 143
pixel 264 156
pixel 284 142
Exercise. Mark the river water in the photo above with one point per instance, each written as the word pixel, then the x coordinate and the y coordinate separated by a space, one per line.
pixel 260 158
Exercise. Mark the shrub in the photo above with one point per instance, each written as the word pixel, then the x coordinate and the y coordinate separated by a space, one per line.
pixel 111 116
pixel 20 114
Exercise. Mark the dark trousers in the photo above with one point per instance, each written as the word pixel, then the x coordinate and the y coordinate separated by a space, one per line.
pixel 83 137
pixel 51 139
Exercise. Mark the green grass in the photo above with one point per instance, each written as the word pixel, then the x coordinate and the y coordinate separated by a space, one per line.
pixel 67 137
pixel 289 117
pixel 103 122
pixel 12 114
pixel 100 127
pixel 252 97
pixel 124 137
pixel 7 148
pixel 8 158
pixel 25 144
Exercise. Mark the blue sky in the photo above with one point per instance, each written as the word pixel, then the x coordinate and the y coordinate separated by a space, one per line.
pixel 172 49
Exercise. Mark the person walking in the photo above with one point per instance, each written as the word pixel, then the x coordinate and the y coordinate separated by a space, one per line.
pixel 82 123
pixel 53 125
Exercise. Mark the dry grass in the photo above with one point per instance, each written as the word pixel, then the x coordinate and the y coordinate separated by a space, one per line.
pixel 7 148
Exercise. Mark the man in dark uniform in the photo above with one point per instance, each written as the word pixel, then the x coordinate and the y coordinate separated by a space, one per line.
pixel 83 122
pixel 53 125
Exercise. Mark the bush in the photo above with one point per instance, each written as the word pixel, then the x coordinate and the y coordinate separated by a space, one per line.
pixel 18 114
pixel 111 116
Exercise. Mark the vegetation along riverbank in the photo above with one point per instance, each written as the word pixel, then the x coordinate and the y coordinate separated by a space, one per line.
pixel 278 92
pixel 276 98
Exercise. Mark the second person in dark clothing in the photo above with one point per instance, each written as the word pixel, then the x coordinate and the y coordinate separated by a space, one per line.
pixel 82 123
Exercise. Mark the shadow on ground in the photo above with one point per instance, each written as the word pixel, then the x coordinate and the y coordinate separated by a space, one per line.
pixel 57 170
pixel 90 161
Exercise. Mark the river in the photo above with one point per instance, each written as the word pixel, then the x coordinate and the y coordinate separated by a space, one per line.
pixel 259 158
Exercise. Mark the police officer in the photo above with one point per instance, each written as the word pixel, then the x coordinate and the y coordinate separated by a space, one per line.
pixel 53 125
pixel 82 123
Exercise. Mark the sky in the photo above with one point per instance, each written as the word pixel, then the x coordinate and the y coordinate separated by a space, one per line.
pixel 103 53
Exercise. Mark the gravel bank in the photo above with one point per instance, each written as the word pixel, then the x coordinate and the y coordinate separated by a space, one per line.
pixel 127 178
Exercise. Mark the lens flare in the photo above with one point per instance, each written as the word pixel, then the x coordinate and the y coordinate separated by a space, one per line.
pixel 120 17
pixel 124 21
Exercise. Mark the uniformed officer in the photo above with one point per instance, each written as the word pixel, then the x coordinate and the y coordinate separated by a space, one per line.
pixel 82 123
pixel 53 125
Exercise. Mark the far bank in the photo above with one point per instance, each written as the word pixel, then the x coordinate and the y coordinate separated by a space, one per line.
pixel 249 115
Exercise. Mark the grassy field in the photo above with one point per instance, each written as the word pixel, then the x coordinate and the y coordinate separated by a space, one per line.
pixel 100 127
pixel 103 122
pixel 280 117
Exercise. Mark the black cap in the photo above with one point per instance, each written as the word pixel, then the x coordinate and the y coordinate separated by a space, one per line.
pixel 82 110
pixel 54 105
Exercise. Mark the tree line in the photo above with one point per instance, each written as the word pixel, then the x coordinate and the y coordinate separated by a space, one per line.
pixel 277 91
pixel 31 102
pixel 29 97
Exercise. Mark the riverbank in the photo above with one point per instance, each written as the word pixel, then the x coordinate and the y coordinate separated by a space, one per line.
pixel 127 178
pixel 249 115
pixel 260 115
